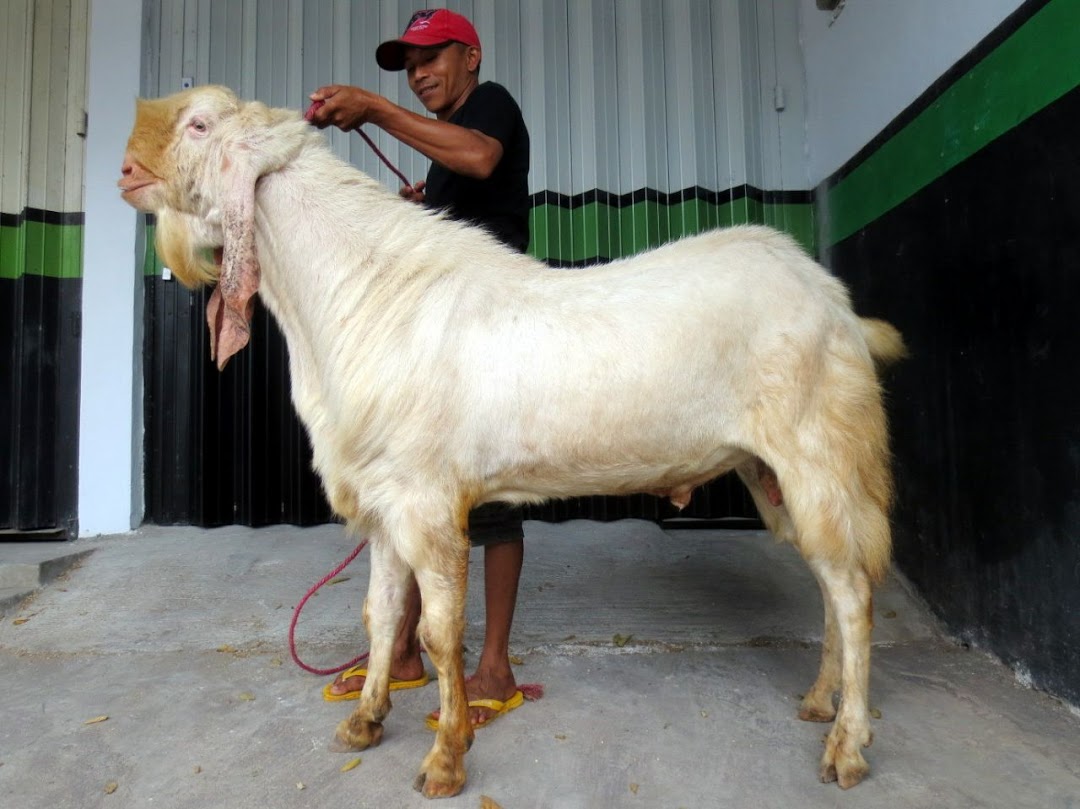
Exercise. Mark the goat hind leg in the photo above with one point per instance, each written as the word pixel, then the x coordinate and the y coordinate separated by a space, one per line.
pixel 384 609
pixel 817 705
pixel 848 591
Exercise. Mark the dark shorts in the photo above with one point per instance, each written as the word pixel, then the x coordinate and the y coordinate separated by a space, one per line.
pixel 493 523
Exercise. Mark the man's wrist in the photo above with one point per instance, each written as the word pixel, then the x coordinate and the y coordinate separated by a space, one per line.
pixel 383 111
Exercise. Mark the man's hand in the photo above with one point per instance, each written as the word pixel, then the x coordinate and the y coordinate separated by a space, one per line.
pixel 414 193
pixel 468 152
pixel 344 107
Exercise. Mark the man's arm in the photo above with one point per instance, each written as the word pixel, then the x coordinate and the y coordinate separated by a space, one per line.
pixel 463 151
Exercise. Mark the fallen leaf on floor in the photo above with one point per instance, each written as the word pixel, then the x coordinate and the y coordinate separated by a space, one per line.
pixel 517 661
pixel 299 784
pixel 95 720
pixel 226 648
pixel 560 736
pixel 488 803
pixel 111 787
pixel 338 580
pixel 634 788
pixel 19 621
pixel 352 765
pixel 704 714
pixel 621 640
pixel 247 696
pixel 198 769
pixel 275 661
pixel 874 712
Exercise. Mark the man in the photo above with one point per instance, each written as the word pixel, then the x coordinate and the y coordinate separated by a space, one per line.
pixel 479 148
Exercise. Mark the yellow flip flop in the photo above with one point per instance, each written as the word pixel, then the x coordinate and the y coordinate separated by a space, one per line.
pixel 496 705
pixel 360 671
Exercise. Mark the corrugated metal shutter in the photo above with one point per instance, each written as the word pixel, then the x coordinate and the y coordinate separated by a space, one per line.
pixel 648 120
pixel 43 59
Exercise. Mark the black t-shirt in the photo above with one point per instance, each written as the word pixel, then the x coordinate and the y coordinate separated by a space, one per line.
pixel 501 202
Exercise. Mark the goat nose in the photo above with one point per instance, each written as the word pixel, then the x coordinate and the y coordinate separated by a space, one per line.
pixel 131 173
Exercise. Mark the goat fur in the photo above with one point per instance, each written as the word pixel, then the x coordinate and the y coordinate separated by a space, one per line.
pixel 435 369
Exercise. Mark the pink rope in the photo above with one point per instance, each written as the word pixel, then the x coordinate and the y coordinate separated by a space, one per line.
pixel 315 105
pixel 300 606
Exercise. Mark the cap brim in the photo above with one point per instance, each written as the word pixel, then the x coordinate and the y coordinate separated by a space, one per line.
pixel 391 54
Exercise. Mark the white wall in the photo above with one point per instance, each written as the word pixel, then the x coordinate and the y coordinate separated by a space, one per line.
pixel 110 446
pixel 42 56
pixel 773 70
pixel 877 56
pixel 617 94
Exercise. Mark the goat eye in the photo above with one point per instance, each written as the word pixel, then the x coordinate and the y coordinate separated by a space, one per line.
pixel 199 126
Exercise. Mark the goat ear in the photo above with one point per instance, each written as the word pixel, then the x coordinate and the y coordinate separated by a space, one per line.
pixel 229 311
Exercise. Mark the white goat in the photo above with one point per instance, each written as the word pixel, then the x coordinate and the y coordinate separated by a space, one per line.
pixel 435 370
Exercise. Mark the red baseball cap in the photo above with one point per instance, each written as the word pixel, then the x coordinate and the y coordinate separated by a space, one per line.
pixel 425 29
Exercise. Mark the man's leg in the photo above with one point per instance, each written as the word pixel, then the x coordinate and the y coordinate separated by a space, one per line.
pixel 494 678
pixel 405 663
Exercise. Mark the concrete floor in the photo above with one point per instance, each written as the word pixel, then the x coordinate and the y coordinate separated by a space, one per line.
pixel 178 635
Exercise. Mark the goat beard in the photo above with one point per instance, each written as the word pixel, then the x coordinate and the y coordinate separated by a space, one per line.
pixel 178 250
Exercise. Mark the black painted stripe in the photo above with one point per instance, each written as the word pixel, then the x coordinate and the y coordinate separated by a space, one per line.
pixel 696 192
pixel 14 220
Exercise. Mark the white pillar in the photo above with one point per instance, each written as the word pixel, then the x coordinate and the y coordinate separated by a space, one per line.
pixel 110 422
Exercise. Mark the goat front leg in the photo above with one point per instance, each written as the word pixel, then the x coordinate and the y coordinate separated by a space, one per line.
pixel 442 630
pixel 384 609
pixel 848 592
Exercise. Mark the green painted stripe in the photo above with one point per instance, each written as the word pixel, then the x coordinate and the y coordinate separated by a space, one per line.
pixel 1034 67
pixel 38 248
pixel 12 251
pixel 599 231
pixel 151 263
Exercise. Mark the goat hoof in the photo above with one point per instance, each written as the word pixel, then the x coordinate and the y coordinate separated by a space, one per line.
pixel 846 774
pixel 814 713
pixel 842 762
pixel 356 735
pixel 442 774
pixel 852 774
pixel 431 788
pixel 817 707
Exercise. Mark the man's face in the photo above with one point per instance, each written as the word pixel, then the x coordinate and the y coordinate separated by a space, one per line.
pixel 442 76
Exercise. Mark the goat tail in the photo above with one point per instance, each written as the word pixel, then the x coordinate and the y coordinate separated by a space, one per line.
pixel 884 340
